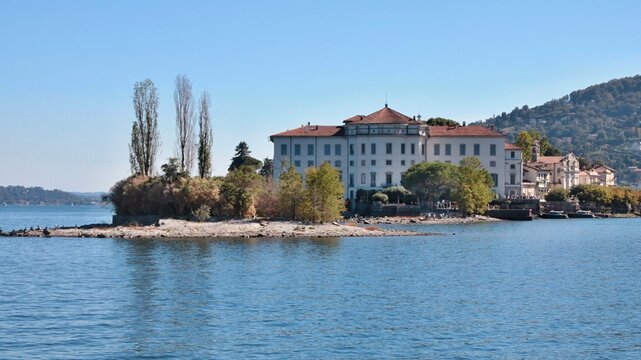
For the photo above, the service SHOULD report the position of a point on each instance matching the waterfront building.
(513, 170)
(374, 151)
(544, 173)
(600, 175)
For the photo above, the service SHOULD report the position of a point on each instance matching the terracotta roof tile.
(472, 130)
(313, 130)
(354, 118)
(549, 159)
(385, 115)
(509, 146)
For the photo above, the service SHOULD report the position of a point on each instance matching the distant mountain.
(20, 195)
(601, 122)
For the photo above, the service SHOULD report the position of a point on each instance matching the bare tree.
(145, 138)
(184, 122)
(205, 136)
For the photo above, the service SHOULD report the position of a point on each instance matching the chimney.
(418, 117)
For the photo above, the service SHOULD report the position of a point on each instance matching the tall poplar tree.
(205, 136)
(184, 123)
(145, 138)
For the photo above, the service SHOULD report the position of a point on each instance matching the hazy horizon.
(68, 70)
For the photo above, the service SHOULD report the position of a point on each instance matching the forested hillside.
(601, 122)
(20, 195)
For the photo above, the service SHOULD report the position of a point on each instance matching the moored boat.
(582, 214)
(554, 214)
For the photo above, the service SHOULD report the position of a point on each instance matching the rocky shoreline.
(177, 229)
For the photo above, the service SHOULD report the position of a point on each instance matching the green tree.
(396, 194)
(290, 193)
(171, 171)
(242, 158)
(431, 180)
(596, 194)
(524, 141)
(379, 196)
(267, 171)
(473, 189)
(205, 137)
(323, 194)
(439, 121)
(145, 138)
(239, 190)
(557, 194)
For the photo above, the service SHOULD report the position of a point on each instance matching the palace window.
(402, 148)
(448, 149)
(362, 149)
(492, 149)
(462, 149)
(437, 149)
(337, 149)
(283, 149)
(412, 149)
(373, 148)
(372, 179)
(310, 149)
(388, 148)
(477, 149)
(328, 149)
(495, 179)
(296, 149)
(388, 162)
(363, 178)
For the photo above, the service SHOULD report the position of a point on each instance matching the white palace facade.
(373, 151)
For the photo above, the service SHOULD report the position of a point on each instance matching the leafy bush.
(380, 197)
(558, 194)
(396, 194)
(142, 195)
(202, 213)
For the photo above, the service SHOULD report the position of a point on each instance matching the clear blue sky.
(67, 69)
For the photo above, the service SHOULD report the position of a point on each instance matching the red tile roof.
(385, 115)
(509, 146)
(549, 159)
(472, 130)
(313, 130)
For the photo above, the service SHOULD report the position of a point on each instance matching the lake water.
(541, 289)
(15, 217)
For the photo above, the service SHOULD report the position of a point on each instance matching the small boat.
(582, 214)
(554, 214)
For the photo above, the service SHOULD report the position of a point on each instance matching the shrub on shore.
(143, 195)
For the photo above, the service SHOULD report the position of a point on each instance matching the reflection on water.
(515, 290)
